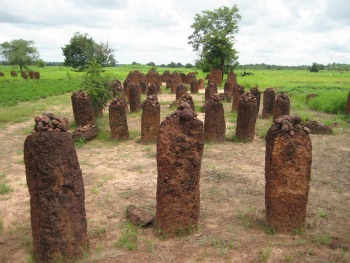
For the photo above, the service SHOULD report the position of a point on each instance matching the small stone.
(139, 217)
(306, 130)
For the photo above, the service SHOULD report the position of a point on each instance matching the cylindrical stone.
(214, 120)
(187, 98)
(200, 84)
(287, 172)
(179, 153)
(210, 90)
(150, 119)
(57, 197)
(257, 94)
(152, 89)
(134, 97)
(268, 102)
(194, 86)
(347, 109)
(281, 106)
(144, 86)
(228, 88)
(180, 90)
(246, 118)
(83, 109)
(238, 92)
(117, 120)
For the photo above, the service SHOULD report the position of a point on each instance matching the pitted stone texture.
(214, 120)
(194, 87)
(216, 74)
(347, 109)
(281, 106)
(287, 172)
(152, 89)
(83, 110)
(165, 76)
(200, 84)
(231, 77)
(134, 97)
(49, 122)
(188, 99)
(138, 217)
(246, 117)
(150, 119)
(257, 94)
(228, 88)
(117, 120)
(180, 90)
(210, 90)
(268, 102)
(191, 76)
(144, 86)
(179, 153)
(317, 128)
(88, 132)
(238, 92)
(57, 197)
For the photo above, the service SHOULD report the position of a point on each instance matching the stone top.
(81, 95)
(186, 98)
(289, 125)
(214, 98)
(183, 112)
(50, 123)
(248, 97)
(282, 97)
(255, 90)
(117, 101)
(151, 100)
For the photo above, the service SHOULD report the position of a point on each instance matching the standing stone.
(210, 90)
(268, 102)
(144, 86)
(188, 99)
(246, 117)
(179, 154)
(281, 106)
(237, 94)
(229, 87)
(347, 109)
(152, 89)
(200, 84)
(180, 90)
(216, 74)
(83, 110)
(150, 119)
(31, 74)
(214, 120)
(287, 172)
(134, 97)
(232, 77)
(194, 86)
(56, 188)
(37, 75)
(24, 75)
(257, 94)
(117, 119)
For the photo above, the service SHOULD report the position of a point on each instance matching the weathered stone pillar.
(117, 120)
(134, 97)
(187, 98)
(56, 188)
(228, 88)
(152, 89)
(144, 86)
(150, 119)
(287, 173)
(200, 84)
(246, 117)
(210, 90)
(194, 86)
(257, 94)
(237, 94)
(214, 120)
(231, 77)
(268, 102)
(180, 90)
(179, 153)
(347, 109)
(83, 110)
(281, 106)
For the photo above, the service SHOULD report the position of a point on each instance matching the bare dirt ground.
(232, 220)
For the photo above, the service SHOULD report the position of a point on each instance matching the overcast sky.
(282, 32)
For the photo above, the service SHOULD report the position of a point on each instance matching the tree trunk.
(20, 67)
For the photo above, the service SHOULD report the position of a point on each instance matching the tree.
(315, 67)
(213, 37)
(152, 64)
(19, 52)
(83, 49)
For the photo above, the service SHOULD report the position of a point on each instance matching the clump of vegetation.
(128, 238)
(331, 101)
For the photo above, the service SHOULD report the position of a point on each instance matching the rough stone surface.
(83, 110)
(51, 123)
(281, 106)
(191, 76)
(88, 132)
(268, 102)
(225, 97)
(214, 120)
(139, 217)
(210, 90)
(24, 75)
(317, 128)
(150, 119)
(134, 97)
(152, 89)
(228, 88)
(165, 76)
(347, 109)
(117, 120)
(246, 117)
(216, 74)
(31, 74)
(13, 74)
(179, 153)
(200, 84)
(144, 85)
(287, 172)
(237, 94)
(194, 86)
(188, 99)
(180, 90)
(57, 197)
(232, 77)
(257, 94)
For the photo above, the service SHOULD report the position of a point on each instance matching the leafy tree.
(213, 37)
(189, 65)
(152, 64)
(171, 65)
(19, 52)
(98, 87)
(315, 67)
(82, 49)
(179, 65)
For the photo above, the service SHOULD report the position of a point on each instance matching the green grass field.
(331, 86)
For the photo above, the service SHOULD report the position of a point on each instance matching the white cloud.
(285, 32)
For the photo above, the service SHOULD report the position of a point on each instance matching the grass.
(265, 254)
(4, 188)
(128, 238)
(322, 240)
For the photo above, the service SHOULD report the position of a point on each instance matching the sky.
(279, 32)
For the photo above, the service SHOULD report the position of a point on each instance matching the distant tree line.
(315, 67)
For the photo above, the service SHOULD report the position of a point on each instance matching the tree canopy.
(83, 49)
(19, 52)
(213, 37)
